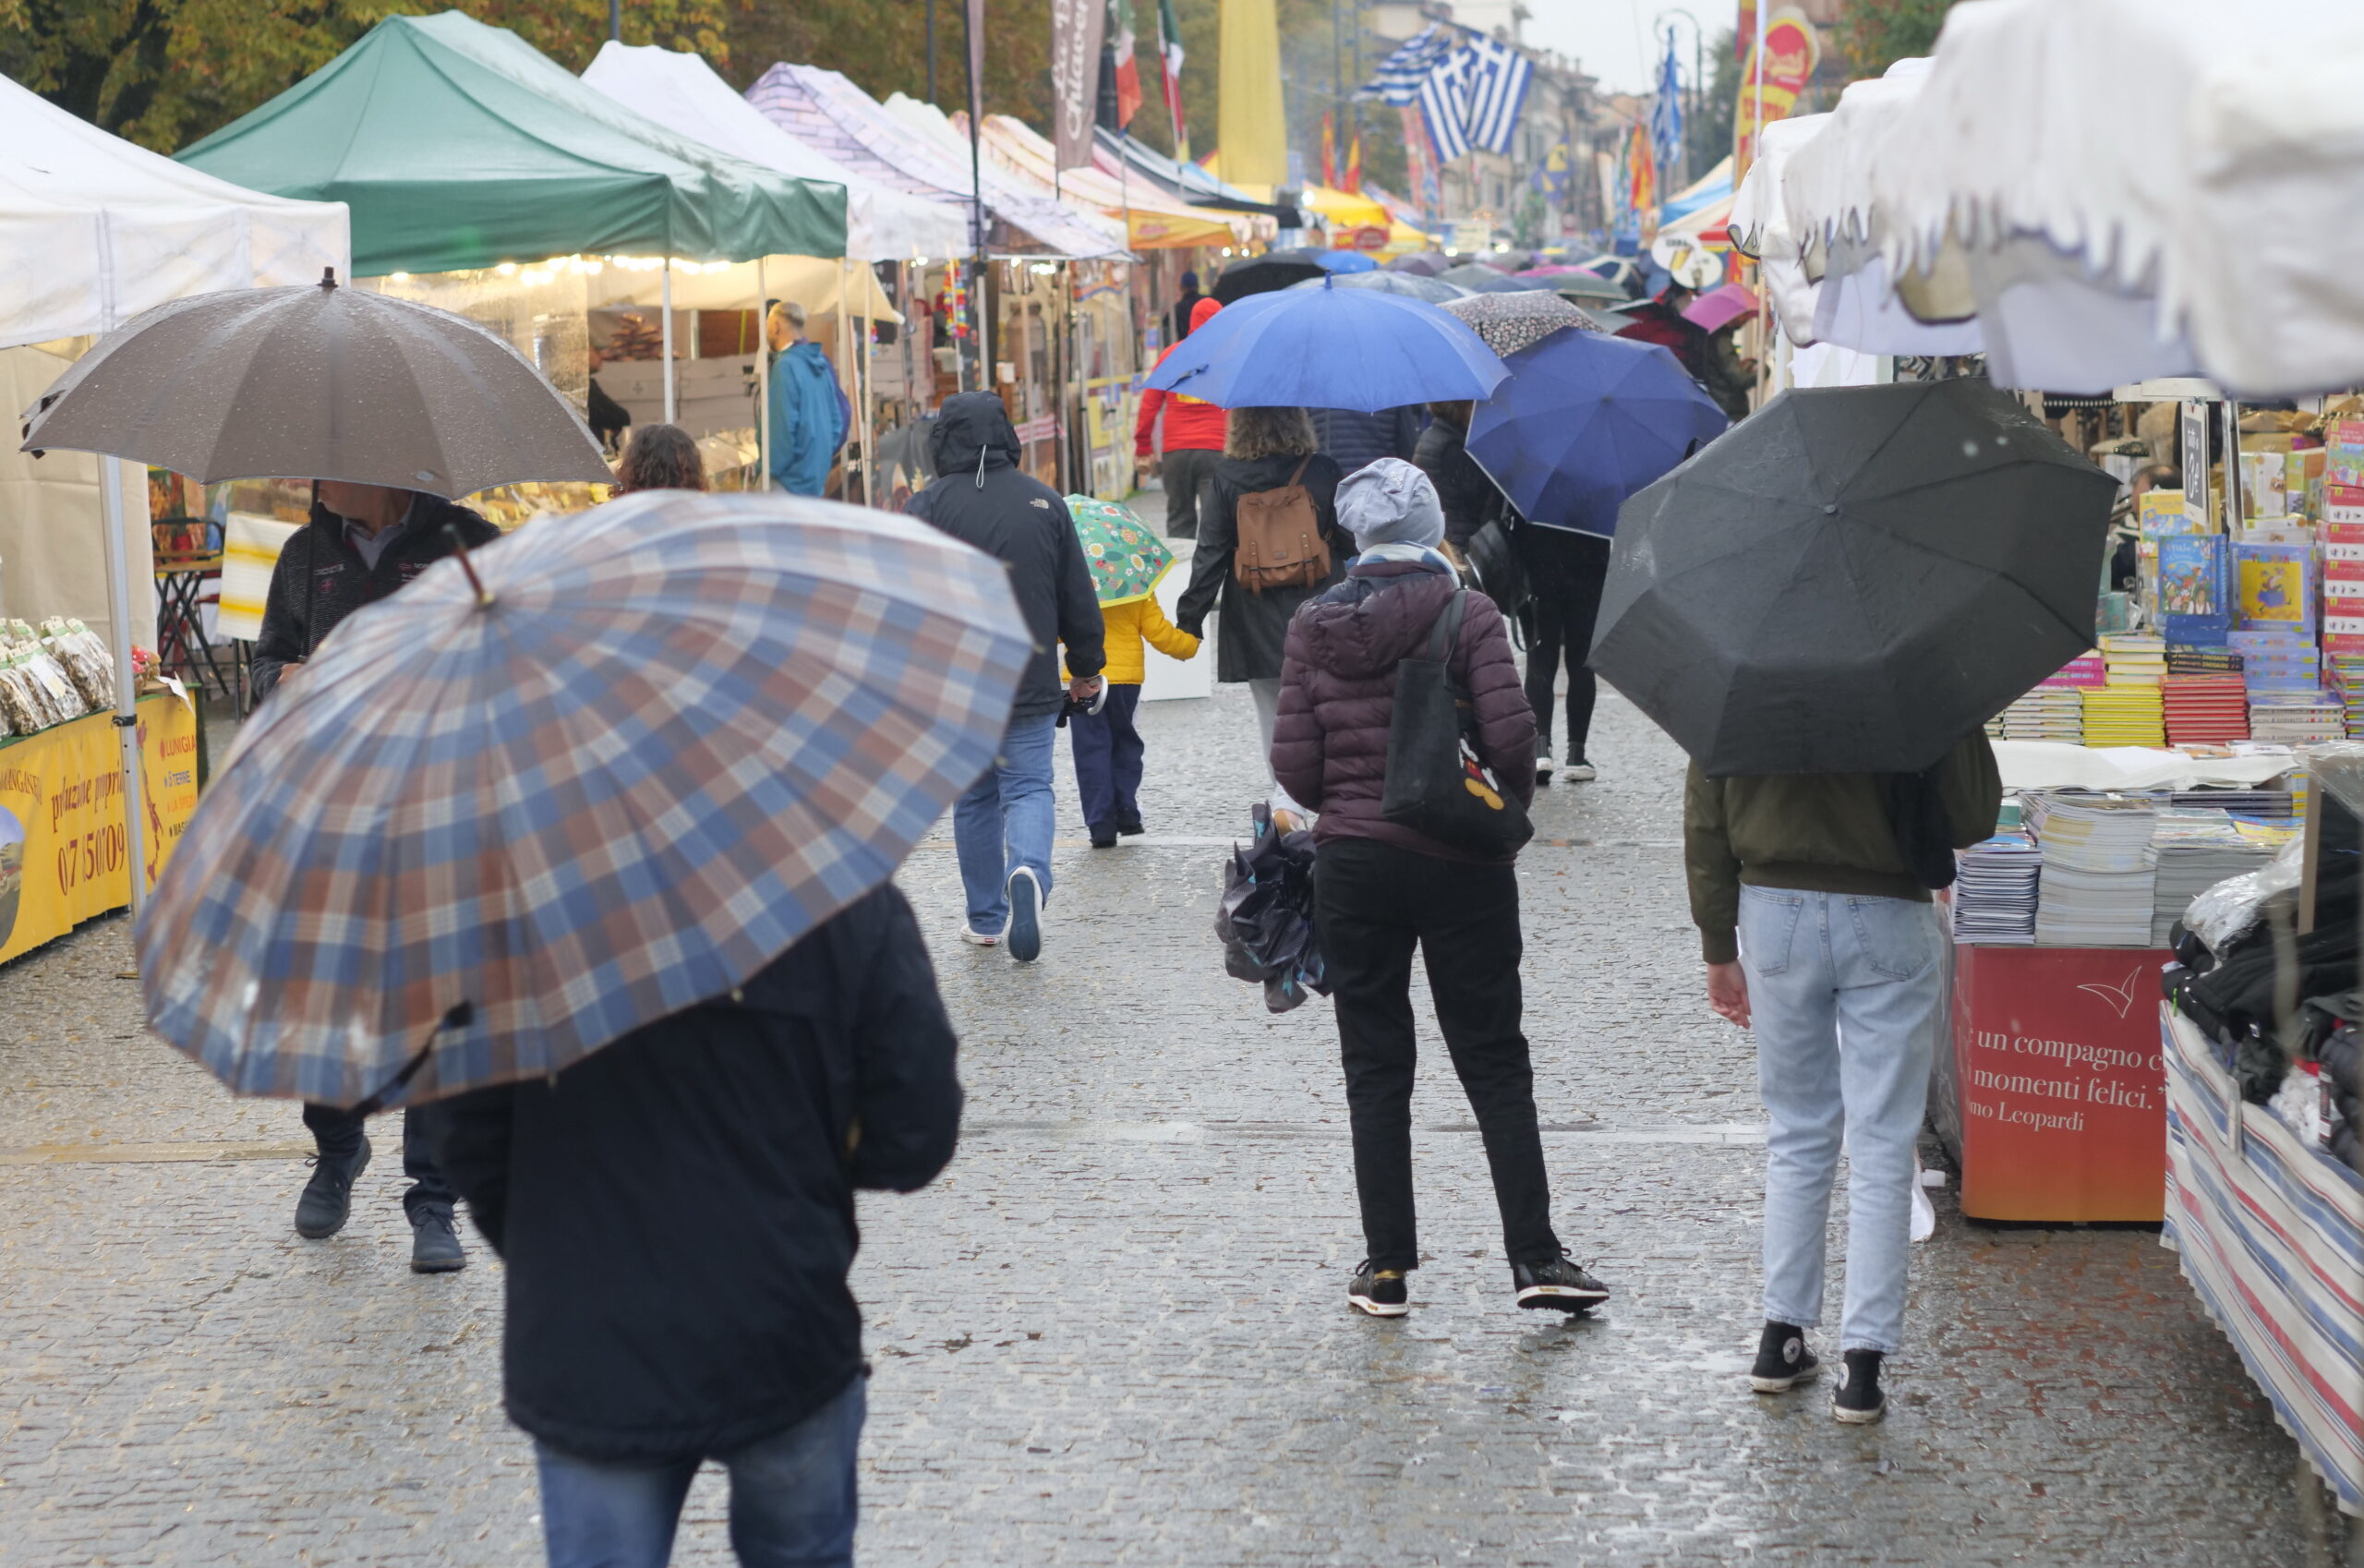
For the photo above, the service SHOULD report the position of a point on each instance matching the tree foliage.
(1874, 35)
(1708, 137)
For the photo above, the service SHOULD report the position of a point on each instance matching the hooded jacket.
(807, 426)
(1192, 423)
(1252, 625)
(981, 498)
(1338, 695)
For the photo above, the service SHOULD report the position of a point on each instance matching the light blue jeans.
(1006, 821)
(1845, 994)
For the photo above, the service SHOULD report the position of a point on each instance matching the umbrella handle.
(483, 595)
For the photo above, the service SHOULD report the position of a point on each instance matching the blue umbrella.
(1347, 262)
(1585, 420)
(1356, 348)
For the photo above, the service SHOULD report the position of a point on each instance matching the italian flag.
(1169, 50)
(1128, 70)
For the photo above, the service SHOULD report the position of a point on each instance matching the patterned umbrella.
(1125, 555)
(484, 833)
(1512, 322)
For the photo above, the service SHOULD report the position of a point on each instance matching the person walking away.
(1565, 572)
(1002, 828)
(362, 544)
(1178, 321)
(1353, 439)
(807, 416)
(1272, 475)
(660, 457)
(1469, 499)
(1381, 890)
(677, 1215)
(1107, 745)
(1811, 893)
(608, 419)
(1193, 443)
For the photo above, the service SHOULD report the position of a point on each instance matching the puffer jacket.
(1338, 694)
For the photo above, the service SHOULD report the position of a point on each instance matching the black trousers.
(337, 1133)
(1372, 904)
(1567, 603)
(1188, 475)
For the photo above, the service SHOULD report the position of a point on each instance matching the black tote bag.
(1435, 783)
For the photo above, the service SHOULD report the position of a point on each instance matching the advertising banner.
(1769, 88)
(62, 839)
(1077, 30)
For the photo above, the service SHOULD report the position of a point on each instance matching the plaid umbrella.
(1512, 322)
(479, 835)
(1126, 556)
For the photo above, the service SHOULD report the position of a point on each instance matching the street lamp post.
(616, 20)
(1698, 81)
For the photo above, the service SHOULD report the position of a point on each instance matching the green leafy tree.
(881, 46)
(1874, 35)
(1708, 138)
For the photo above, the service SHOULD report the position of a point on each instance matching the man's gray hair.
(794, 312)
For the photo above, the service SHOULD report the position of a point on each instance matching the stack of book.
(2277, 661)
(2192, 851)
(2124, 716)
(2296, 718)
(2270, 805)
(2048, 713)
(2194, 658)
(2087, 669)
(2347, 685)
(2206, 711)
(1995, 891)
(2097, 886)
(2134, 659)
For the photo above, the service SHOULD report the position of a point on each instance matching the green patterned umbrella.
(1125, 553)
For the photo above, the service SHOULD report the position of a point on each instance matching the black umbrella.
(1264, 274)
(1853, 579)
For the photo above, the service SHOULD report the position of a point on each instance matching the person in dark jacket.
(1003, 827)
(1467, 496)
(1815, 932)
(1353, 439)
(1565, 572)
(1382, 888)
(1178, 320)
(677, 1215)
(1264, 448)
(363, 543)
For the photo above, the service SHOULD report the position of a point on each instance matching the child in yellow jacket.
(1107, 747)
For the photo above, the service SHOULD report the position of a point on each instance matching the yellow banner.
(62, 843)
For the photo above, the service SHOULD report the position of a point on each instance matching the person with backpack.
(1268, 542)
(1383, 887)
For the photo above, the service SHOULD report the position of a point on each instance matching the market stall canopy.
(94, 230)
(458, 145)
(1152, 219)
(1344, 207)
(825, 109)
(1196, 186)
(681, 93)
(820, 286)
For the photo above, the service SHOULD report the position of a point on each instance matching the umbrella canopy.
(1332, 347)
(1411, 285)
(670, 737)
(1345, 263)
(1583, 422)
(318, 383)
(1126, 556)
(1470, 275)
(1421, 263)
(1575, 284)
(1264, 274)
(1855, 578)
(1720, 307)
(1512, 322)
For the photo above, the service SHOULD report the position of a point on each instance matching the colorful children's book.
(2192, 576)
(2276, 586)
(2161, 513)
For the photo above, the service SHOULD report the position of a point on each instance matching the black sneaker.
(1557, 1282)
(1858, 1400)
(1379, 1292)
(435, 1243)
(1130, 827)
(328, 1197)
(1782, 1360)
(1104, 841)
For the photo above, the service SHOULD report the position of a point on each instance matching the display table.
(2270, 1235)
(2052, 1097)
(62, 839)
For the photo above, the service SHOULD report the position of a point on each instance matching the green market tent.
(459, 145)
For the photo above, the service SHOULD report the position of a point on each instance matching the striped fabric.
(1400, 75)
(1495, 81)
(1470, 87)
(250, 546)
(1445, 105)
(686, 729)
(2270, 1235)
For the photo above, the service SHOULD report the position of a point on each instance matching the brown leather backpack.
(1280, 538)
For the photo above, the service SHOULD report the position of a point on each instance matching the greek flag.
(1445, 105)
(1401, 74)
(1494, 79)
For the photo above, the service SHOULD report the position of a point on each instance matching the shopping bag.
(1435, 782)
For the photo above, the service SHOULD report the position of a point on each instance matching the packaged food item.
(85, 658)
(21, 707)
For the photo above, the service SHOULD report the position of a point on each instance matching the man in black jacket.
(1002, 828)
(363, 543)
(677, 1215)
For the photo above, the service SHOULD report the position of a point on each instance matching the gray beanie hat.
(1390, 502)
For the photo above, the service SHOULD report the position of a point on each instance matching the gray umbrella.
(1512, 322)
(317, 382)
(1411, 285)
(1473, 274)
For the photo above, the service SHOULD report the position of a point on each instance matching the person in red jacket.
(1382, 888)
(1194, 429)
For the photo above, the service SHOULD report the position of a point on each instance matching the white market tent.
(93, 231)
(681, 93)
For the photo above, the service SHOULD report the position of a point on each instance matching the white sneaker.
(979, 938)
(1578, 773)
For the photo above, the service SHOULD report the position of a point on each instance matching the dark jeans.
(1372, 902)
(1564, 612)
(1109, 761)
(1188, 475)
(337, 1133)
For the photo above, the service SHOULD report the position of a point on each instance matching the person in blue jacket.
(808, 418)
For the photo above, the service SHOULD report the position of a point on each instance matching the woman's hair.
(1269, 432)
(661, 457)
(1454, 414)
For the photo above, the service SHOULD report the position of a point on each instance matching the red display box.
(2056, 1099)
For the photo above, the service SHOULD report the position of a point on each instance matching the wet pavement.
(1114, 1332)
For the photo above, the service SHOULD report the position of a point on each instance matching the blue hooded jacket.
(808, 422)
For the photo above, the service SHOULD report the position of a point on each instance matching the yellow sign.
(63, 858)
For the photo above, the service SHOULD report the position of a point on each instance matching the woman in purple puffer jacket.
(1382, 888)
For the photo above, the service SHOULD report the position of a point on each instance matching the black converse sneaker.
(1858, 1400)
(1379, 1292)
(1557, 1282)
(1782, 1360)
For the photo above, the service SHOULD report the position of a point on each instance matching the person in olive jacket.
(1811, 893)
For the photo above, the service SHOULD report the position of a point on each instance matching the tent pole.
(665, 308)
(845, 368)
(868, 405)
(763, 383)
(126, 685)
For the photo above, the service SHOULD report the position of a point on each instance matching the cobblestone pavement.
(1114, 1333)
